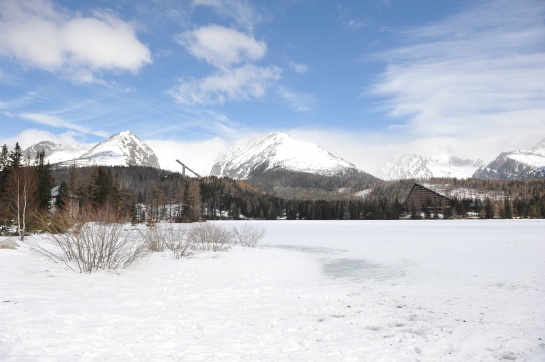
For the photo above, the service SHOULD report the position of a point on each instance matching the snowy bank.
(401, 290)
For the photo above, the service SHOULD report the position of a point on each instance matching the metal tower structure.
(184, 167)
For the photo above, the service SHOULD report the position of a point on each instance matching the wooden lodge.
(424, 199)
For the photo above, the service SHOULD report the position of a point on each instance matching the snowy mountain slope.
(122, 149)
(521, 164)
(419, 167)
(278, 151)
(55, 153)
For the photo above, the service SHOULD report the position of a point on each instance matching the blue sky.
(364, 79)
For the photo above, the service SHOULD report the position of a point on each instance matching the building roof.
(420, 195)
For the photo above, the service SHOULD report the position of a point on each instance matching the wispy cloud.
(241, 11)
(477, 72)
(39, 35)
(57, 122)
(241, 83)
(299, 68)
(32, 136)
(297, 100)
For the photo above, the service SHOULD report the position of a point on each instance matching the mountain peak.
(124, 134)
(249, 157)
(123, 149)
(521, 164)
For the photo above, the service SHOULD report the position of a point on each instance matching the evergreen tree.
(489, 209)
(45, 182)
(508, 210)
(16, 157)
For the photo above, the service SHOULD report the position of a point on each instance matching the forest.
(144, 194)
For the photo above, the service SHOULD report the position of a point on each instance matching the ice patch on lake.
(359, 269)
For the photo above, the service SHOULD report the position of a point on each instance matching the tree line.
(145, 194)
(25, 189)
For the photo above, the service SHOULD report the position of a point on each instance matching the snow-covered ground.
(321, 291)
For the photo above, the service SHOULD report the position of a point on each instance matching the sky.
(364, 79)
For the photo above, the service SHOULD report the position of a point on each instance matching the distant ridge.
(515, 165)
(121, 149)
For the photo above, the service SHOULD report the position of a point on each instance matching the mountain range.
(521, 164)
(420, 167)
(279, 160)
(121, 149)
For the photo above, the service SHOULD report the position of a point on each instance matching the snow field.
(322, 291)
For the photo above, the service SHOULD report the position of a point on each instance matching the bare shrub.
(154, 236)
(249, 235)
(163, 237)
(209, 237)
(102, 244)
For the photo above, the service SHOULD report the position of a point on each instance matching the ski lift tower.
(184, 167)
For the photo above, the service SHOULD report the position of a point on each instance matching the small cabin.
(424, 199)
(71, 202)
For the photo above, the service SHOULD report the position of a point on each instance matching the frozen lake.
(315, 290)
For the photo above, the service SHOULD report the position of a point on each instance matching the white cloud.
(232, 54)
(197, 155)
(39, 35)
(242, 83)
(241, 11)
(299, 67)
(32, 136)
(473, 75)
(222, 47)
(297, 100)
(54, 121)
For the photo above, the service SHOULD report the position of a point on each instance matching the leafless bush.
(154, 236)
(103, 244)
(163, 237)
(248, 235)
(209, 237)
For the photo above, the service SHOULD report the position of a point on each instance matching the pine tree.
(489, 209)
(508, 210)
(45, 182)
(16, 157)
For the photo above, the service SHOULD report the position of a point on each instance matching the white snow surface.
(315, 291)
(409, 166)
(277, 150)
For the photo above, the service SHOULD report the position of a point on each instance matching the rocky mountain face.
(515, 165)
(250, 158)
(419, 167)
(122, 149)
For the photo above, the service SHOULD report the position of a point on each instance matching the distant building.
(71, 202)
(424, 199)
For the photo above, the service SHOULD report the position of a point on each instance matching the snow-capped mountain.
(521, 164)
(278, 151)
(55, 153)
(122, 149)
(419, 167)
